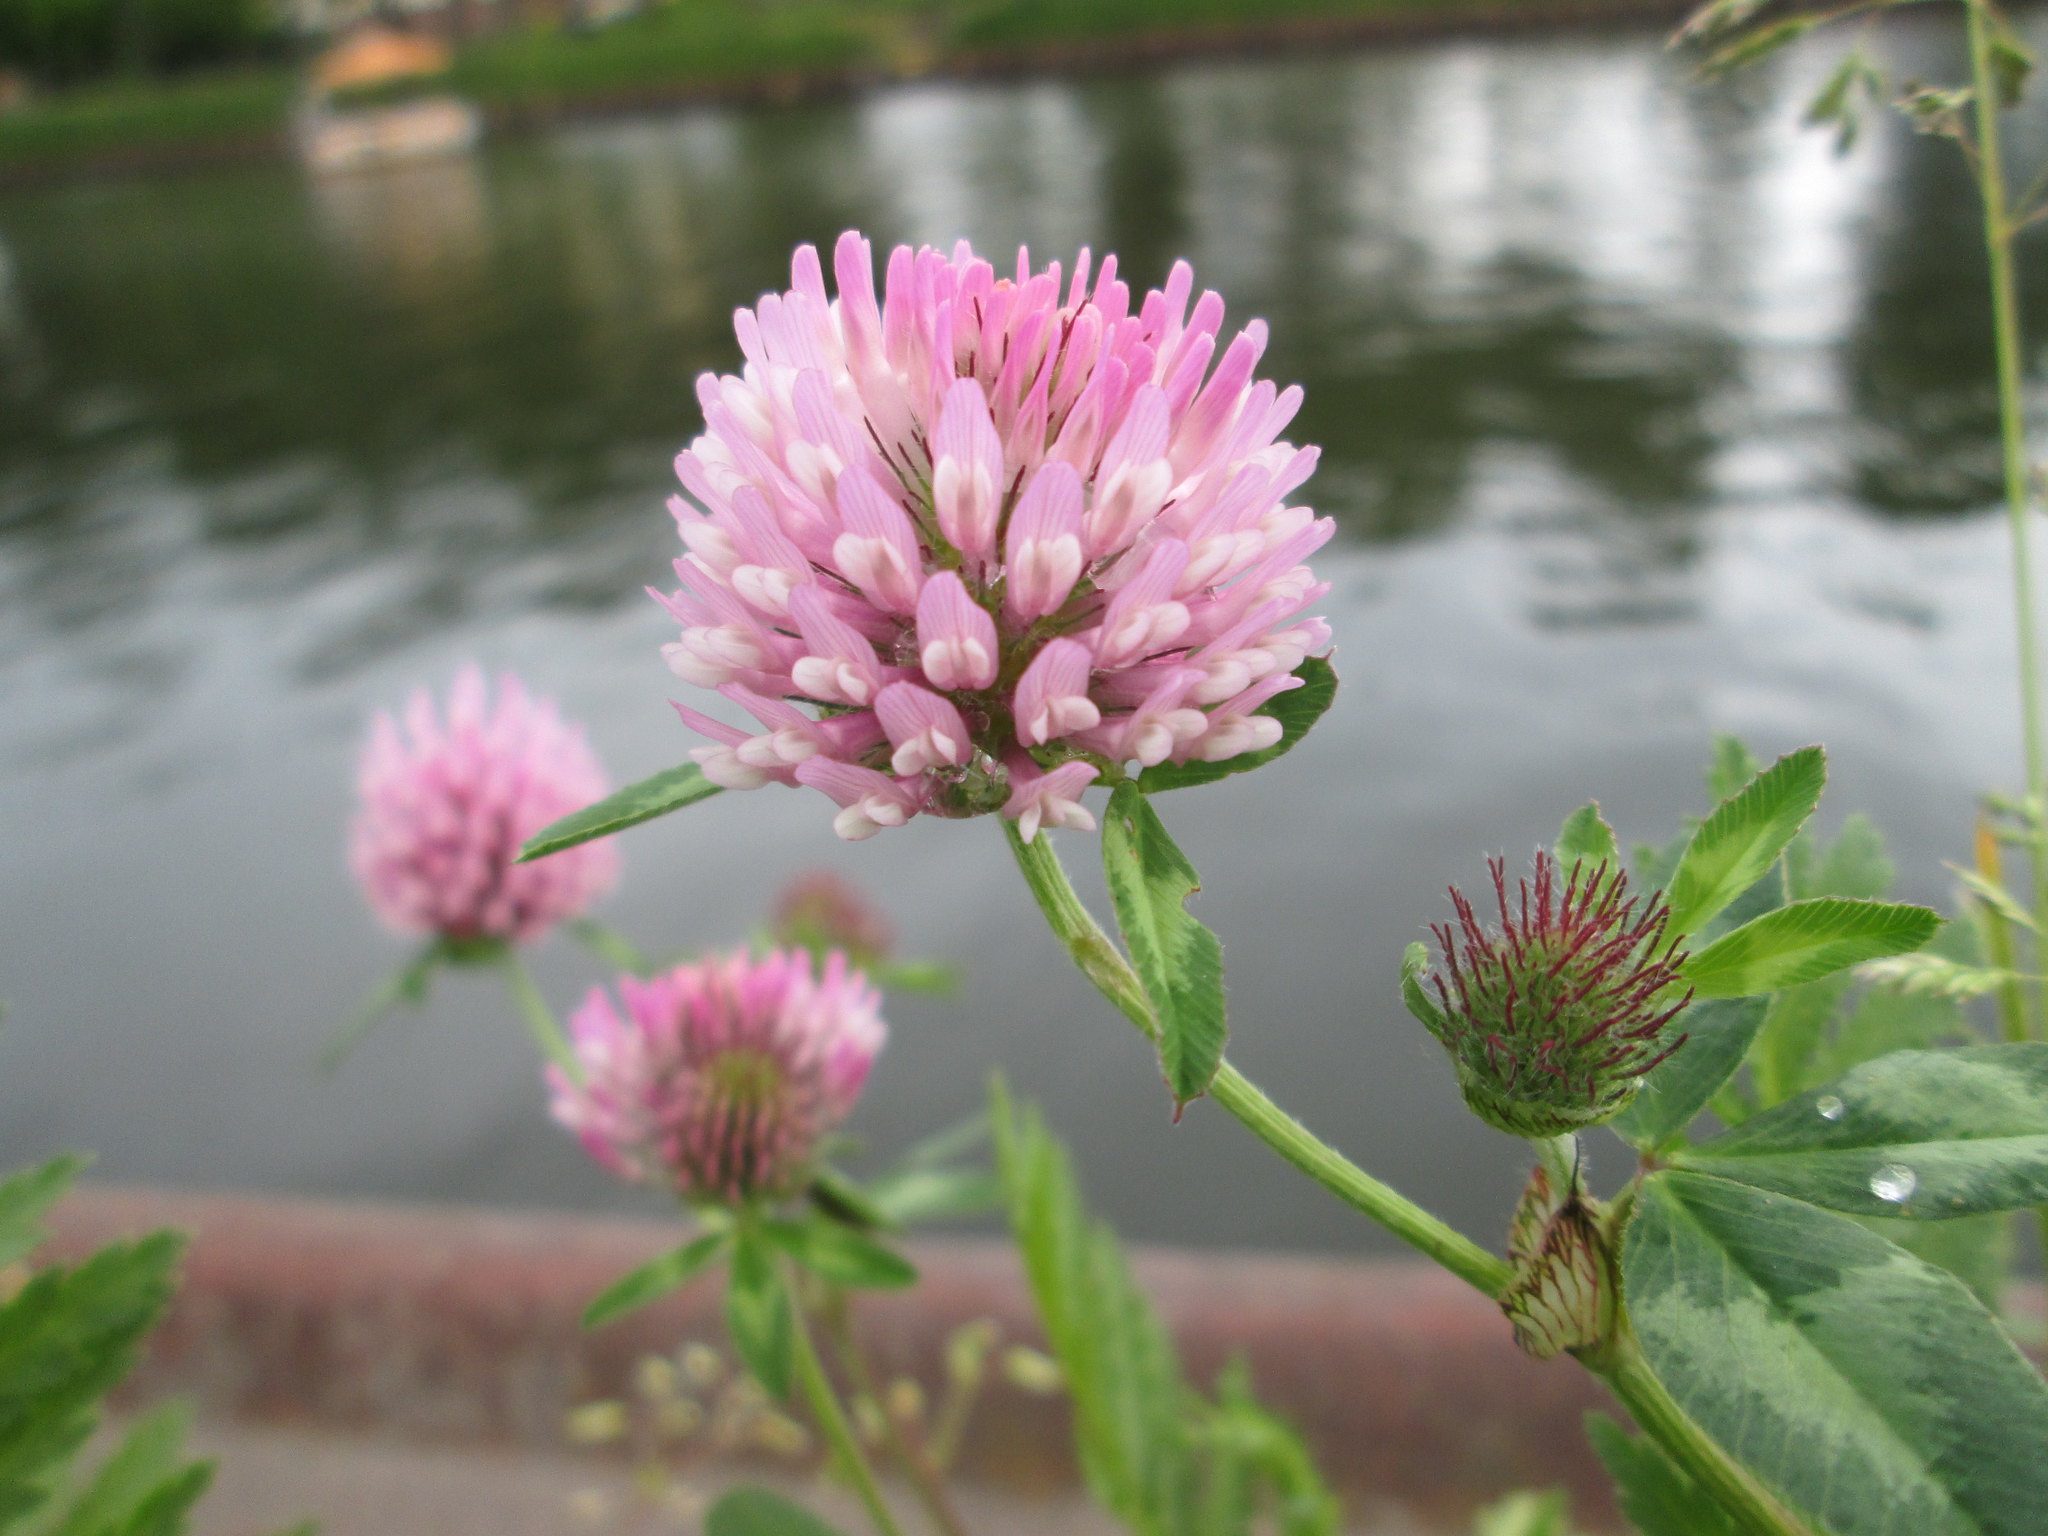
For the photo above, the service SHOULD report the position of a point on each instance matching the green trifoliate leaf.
(1804, 942)
(1655, 1494)
(757, 1512)
(26, 1198)
(757, 1309)
(841, 1255)
(1179, 961)
(655, 1279)
(669, 790)
(1737, 845)
(1918, 1134)
(1297, 710)
(1718, 1035)
(1860, 1384)
(1586, 839)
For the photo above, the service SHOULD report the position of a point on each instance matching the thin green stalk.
(540, 1018)
(1658, 1414)
(925, 1479)
(1100, 962)
(1989, 163)
(833, 1424)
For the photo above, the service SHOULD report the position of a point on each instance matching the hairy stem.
(833, 1424)
(1101, 963)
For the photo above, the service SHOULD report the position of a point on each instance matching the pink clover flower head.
(446, 801)
(720, 1079)
(966, 544)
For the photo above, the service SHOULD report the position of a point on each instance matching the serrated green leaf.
(1179, 961)
(758, 1311)
(655, 1279)
(1121, 1370)
(26, 1198)
(1737, 845)
(669, 790)
(757, 1512)
(66, 1340)
(1585, 837)
(1718, 1035)
(1795, 1028)
(1655, 1494)
(162, 1511)
(1804, 942)
(841, 1255)
(1862, 1385)
(1977, 1250)
(1924, 1135)
(148, 1456)
(1297, 710)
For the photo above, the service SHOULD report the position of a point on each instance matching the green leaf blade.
(757, 1512)
(1804, 942)
(654, 1280)
(1586, 838)
(1737, 845)
(1924, 1135)
(1718, 1035)
(26, 1198)
(1179, 960)
(1297, 710)
(669, 790)
(1863, 1385)
(758, 1311)
(842, 1255)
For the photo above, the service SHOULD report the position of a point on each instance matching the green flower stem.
(1989, 164)
(1100, 962)
(832, 1423)
(540, 1018)
(926, 1480)
(1658, 1415)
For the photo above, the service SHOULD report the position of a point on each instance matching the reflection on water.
(1644, 415)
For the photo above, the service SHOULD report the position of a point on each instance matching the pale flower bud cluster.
(962, 546)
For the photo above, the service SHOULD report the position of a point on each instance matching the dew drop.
(1894, 1182)
(1830, 1107)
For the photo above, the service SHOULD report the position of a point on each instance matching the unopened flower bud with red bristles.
(720, 1079)
(1553, 1017)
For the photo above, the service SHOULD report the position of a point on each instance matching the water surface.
(1644, 417)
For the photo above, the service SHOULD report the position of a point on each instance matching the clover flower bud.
(720, 1079)
(447, 800)
(1563, 1293)
(961, 546)
(1553, 1017)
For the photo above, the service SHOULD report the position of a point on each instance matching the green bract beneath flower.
(1553, 1017)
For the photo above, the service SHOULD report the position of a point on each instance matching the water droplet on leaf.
(1830, 1107)
(1894, 1182)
